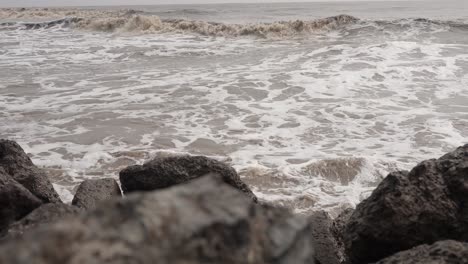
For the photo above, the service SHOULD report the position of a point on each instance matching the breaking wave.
(131, 21)
(65, 22)
(153, 24)
(319, 184)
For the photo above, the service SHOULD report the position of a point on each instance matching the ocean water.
(312, 107)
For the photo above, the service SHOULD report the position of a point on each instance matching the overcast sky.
(27, 3)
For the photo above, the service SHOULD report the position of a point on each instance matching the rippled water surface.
(312, 113)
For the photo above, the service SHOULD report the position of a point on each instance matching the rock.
(327, 249)
(163, 172)
(204, 221)
(442, 252)
(46, 213)
(408, 209)
(19, 166)
(15, 201)
(91, 192)
(338, 228)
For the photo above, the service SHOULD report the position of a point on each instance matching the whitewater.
(312, 103)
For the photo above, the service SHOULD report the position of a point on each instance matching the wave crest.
(134, 23)
(137, 22)
(144, 23)
(130, 21)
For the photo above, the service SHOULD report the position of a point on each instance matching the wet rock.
(327, 248)
(163, 172)
(15, 201)
(338, 228)
(407, 209)
(91, 192)
(442, 252)
(204, 221)
(19, 166)
(45, 214)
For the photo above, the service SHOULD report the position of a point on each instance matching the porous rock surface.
(45, 214)
(407, 209)
(16, 163)
(442, 252)
(163, 172)
(91, 192)
(15, 201)
(204, 221)
(328, 249)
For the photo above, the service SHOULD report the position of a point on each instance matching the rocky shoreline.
(192, 209)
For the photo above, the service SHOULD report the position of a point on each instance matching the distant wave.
(48, 24)
(153, 24)
(189, 11)
(131, 21)
(460, 24)
(135, 21)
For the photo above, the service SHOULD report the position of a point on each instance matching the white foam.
(87, 104)
(65, 194)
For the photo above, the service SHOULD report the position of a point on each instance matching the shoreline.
(165, 189)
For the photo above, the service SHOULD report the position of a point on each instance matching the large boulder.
(15, 201)
(407, 209)
(204, 221)
(442, 252)
(163, 172)
(91, 192)
(328, 250)
(45, 214)
(19, 166)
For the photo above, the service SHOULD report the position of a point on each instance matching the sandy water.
(312, 113)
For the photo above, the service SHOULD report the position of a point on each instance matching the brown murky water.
(312, 120)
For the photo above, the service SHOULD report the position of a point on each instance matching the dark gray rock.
(19, 166)
(442, 252)
(91, 192)
(408, 209)
(169, 171)
(204, 221)
(45, 214)
(327, 249)
(338, 228)
(15, 201)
